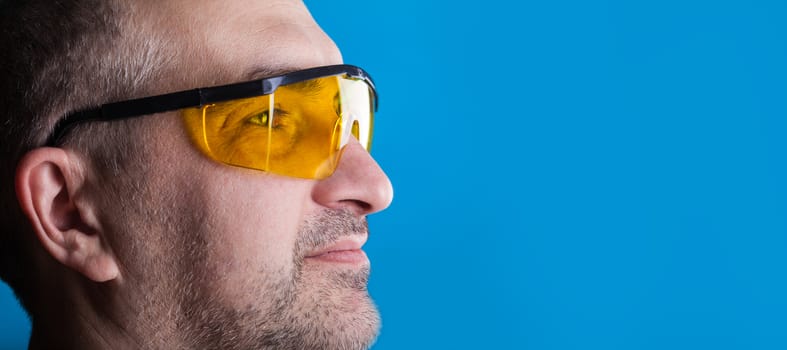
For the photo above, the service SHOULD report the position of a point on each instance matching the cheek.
(250, 224)
(245, 222)
(257, 229)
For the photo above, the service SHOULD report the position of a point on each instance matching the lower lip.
(342, 256)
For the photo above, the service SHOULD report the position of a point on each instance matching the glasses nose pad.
(337, 136)
(341, 136)
(337, 142)
(349, 126)
(356, 130)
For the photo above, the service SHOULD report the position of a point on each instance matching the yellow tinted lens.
(298, 130)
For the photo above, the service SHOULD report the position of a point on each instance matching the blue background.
(572, 174)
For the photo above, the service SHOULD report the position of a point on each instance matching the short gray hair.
(59, 56)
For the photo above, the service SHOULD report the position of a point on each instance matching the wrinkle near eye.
(226, 113)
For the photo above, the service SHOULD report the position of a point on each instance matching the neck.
(74, 333)
(77, 318)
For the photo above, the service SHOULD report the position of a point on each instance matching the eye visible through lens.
(281, 120)
(260, 119)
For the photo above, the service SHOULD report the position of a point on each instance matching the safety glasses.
(295, 124)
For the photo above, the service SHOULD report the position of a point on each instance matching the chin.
(337, 311)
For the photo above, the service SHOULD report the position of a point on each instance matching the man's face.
(236, 258)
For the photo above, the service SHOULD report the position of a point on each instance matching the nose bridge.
(357, 184)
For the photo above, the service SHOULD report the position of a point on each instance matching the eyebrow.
(265, 71)
(309, 87)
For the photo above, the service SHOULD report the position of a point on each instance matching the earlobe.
(48, 181)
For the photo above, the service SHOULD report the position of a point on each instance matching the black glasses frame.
(200, 97)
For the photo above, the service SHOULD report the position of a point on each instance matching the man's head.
(128, 225)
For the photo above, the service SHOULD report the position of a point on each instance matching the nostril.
(358, 206)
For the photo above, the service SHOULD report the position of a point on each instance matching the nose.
(358, 184)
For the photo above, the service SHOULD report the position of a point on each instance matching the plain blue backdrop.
(572, 174)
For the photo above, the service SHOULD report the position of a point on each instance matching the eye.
(260, 119)
(263, 119)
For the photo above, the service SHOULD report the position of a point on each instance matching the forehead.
(233, 40)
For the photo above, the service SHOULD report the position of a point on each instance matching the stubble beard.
(301, 307)
(304, 308)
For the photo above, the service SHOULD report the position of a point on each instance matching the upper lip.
(354, 242)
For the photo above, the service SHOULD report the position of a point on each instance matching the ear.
(49, 182)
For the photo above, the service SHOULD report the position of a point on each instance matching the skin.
(184, 252)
